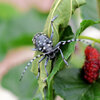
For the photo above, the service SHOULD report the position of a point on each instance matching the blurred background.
(20, 20)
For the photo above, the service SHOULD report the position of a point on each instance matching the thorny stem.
(98, 7)
(89, 38)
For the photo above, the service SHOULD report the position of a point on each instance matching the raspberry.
(91, 53)
(92, 64)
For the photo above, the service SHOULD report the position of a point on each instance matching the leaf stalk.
(89, 38)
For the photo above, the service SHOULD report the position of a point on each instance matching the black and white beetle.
(45, 45)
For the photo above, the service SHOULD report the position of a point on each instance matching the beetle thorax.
(43, 43)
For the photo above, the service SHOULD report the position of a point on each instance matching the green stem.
(89, 38)
(50, 90)
(98, 7)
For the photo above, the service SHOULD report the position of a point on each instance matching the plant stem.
(89, 38)
(98, 7)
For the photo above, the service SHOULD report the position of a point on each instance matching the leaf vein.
(53, 13)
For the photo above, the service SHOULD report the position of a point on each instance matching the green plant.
(66, 82)
(61, 28)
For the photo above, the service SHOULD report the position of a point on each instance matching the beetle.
(44, 44)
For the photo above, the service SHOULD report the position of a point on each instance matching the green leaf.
(90, 11)
(67, 33)
(70, 85)
(64, 9)
(26, 88)
(37, 96)
(85, 24)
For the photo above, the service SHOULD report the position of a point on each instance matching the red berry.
(99, 63)
(92, 64)
(91, 71)
(99, 60)
(91, 53)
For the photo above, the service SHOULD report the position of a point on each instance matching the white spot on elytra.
(44, 43)
(40, 48)
(48, 44)
(50, 41)
(44, 40)
(40, 43)
(44, 48)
